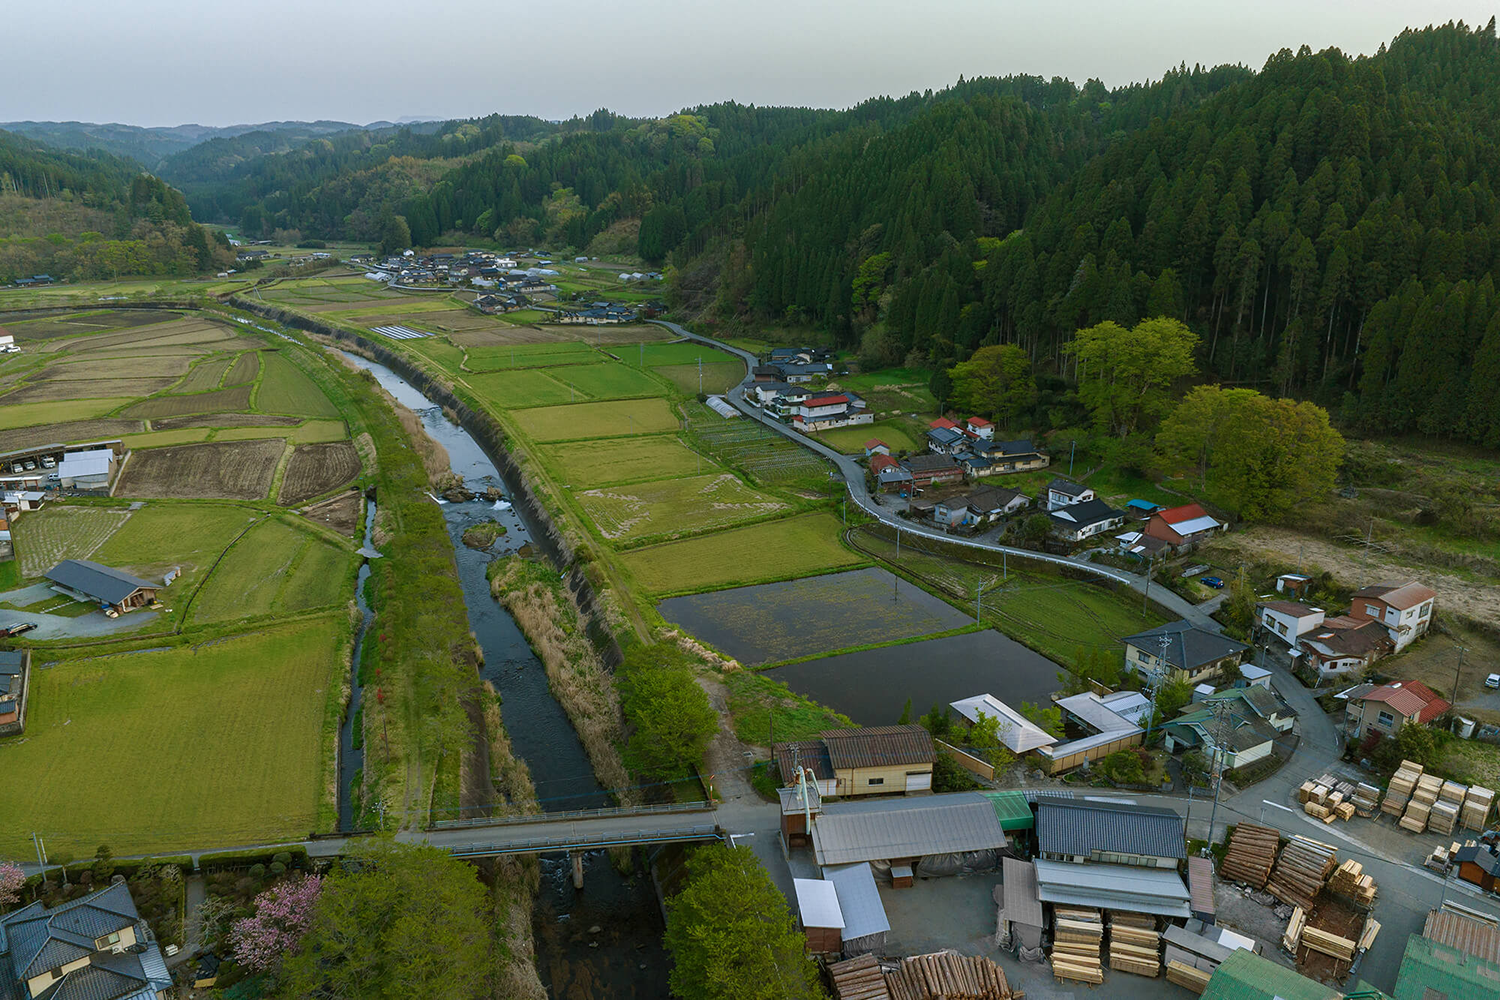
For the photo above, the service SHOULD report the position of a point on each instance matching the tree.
(395, 234)
(997, 381)
(282, 916)
(731, 934)
(394, 921)
(1125, 376)
(941, 387)
(1123, 767)
(11, 880)
(938, 721)
(1048, 719)
(1172, 696)
(905, 719)
(672, 719)
(1036, 528)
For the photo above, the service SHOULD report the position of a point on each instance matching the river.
(604, 942)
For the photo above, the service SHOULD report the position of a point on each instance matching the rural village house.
(873, 760)
(96, 947)
(1112, 722)
(1182, 527)
(1405, 609)
(875, 446)
(978, 509)
(1289, 621)
(1189, 653)
(1382, 711)
(1062, 492)
(89, 581)
(1078, 521)
(1344, 644)
(929, 470)
(1245, 738)
(15, 670)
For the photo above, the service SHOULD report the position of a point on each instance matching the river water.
(352, 758)
(602, 942)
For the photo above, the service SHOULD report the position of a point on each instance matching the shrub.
(277, 868)
(282, 858)
(1123, 767)
(257, 871)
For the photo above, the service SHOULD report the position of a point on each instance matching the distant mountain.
(150, 146)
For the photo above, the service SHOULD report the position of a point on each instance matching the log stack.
(947, 976)
(858, 979)
(1301, 871)
(1351, 882)
(1403, 782)
(1077, 937)
(1134, 944)
(1251, 853)
(1366, 799)
(1476, 808)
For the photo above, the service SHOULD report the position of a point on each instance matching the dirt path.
(1348, 564)
(725, 763)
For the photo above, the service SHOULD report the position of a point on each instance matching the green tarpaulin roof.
(1012, 809)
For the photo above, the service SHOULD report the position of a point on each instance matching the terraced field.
(594, 420)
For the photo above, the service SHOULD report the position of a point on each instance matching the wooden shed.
(819, 914)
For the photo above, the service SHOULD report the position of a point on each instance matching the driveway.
(95, 623)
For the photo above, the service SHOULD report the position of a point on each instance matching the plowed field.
(318, 468)
(235, 470)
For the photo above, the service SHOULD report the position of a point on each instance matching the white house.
(1405, 609)
(1018, 733)
(980, 428)
(1063, 493)
(1078, 521)
(1289, 620)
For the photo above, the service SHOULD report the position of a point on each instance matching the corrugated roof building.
(1246, 976)
(1113, 887)
(865, 921)
(901, 829)
(1113, 832)
(1430, 970)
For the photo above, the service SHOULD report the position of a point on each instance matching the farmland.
(490, 359)
(759, 553)
(593, 420)
(899, 434)
(227, 740)
(765, 455)
(274, 568)
(238, 470)
(206, 375)
(718, 376)
(285, 389)
(32, 414)
(46, 537)
(627, 460)
(316, 469)
(222, 400)
(246, 368)
(609, 381)
(522, 387)
(675, 506)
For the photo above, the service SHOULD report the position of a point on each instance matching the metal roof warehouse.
(886, 829)
(1080, 830)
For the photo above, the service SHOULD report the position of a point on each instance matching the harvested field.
(55, 412)
(520, 388)
(274, 568)
(773, 550)
(41, 392)
(227, 420)
(236, 398)
(285, 389)
(246, 367)
(60, 531)
(309, 432)
(317, 468)
(236, 470)
(596, 463)
(594, 420)
(206, 375)
(342, 513)
(494, 359)
(719, 377)
(636, 333)
(66, 432)
(609, 381)
(503, 336)
(117, 368)
(47, 327)
(674, 506)
(158, 439)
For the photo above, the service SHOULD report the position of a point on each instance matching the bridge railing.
(663, 808)
(535, 845)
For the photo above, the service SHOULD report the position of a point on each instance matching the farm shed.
(1201, 887)
(87, 470)
(89, 581)
(15, 667)
(721, 406)
(811, 756)
(1464, 930)
(865, 922)
(1074, 830)
(948, 833)
(873, 760)
(819, 914)
(1429, 969)
(1244, 975)
(796, 812)
(1113, 887)
(1019, 922)
(1018, 733)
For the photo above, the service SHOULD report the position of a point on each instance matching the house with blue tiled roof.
(96, 947)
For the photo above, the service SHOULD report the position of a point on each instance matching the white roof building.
(1018, 733)
(1114, 887)
(86, 464)
(818, 903)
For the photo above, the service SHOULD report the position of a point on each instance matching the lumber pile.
(1428, 787)
(1293, 936)
(858, 979)
(1367, 936)
(1251, 853)
(1453, 791)
(1400, 789)
(1351, 882)
(1325, 943)
(1134, 944)
(1417, 812)
(1188, 977)
(1476, 808)
(1366, 799)
(1077, 936)
(947, 976)
(1301, 870)
(1443, 817)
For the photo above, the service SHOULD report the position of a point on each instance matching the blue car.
(1212, 581)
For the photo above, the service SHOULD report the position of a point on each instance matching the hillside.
(150, 146)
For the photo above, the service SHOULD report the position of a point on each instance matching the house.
(872, 760)
(875, 446)
(1383, 710)
(1111, 722)
(1430, 970)
(907, 832)
(1190, 653)
(1017, 733)
(781, 398)
(15, 669)
(1253, 676)
(929, 470)
(1289, 620)
(1078, 521)
(1405, 609)
(87, 470)
(1260, 702)
(1139, 545)
(979, 509)
(824, 412)
(1182, 527)
(1000, 457)
(946, 440)
(96, 947)
(89, 581)
(979, 427)
(942, 422)
(765, 373)
(1240, 738)
(1294, 584)
(894, 479)
(1244, 975)
(1078, 831)
(1479, 864)
(1143, 508)
(1345, 645)
(1064, 492)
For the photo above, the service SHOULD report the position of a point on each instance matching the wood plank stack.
(1367, 936)
(1366, 799)
(1300, 872)
(1345, 811)
(1077, 937)
(1400, 789)
(1443, 818)
(1251, 853)
(1134, 944)
(948, 976)
(1476, 808)
(1317, 811)
(1351, 882)
(1293, 936)
(1332, 945)
(1428, 787)
(1453, 791)
(1417, 812)
(1188, 977)
(858, 978)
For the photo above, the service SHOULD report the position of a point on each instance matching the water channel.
(604, 941)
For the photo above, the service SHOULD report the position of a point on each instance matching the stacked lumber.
(1251, 853)
(1293, 936)
(1367, 936)
(1188, 977)
(1077, 936)
(1453, 791)
(1304, 793)
(1443, 818)
(858, 979)
(1351, 882)
(1476, 808)
(1401, 786)
(1300, 872)
(1317, 811)
(1345, 811)
(1415, 819)
(948, 976)
(1428, 787)
(1365, 799)
(1325, 943)
(1134, 944)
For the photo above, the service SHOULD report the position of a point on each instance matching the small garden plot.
(44, 538)
(520, 388)
(625, 460)
(232, 733)
(593, 420)
(67, 432)
(674, 506)
(760, 451)
(246, 367)
(235, 470)
(718, 378)
(40, 392)
(285, 389)
(274, 568)
(55, 412)
(206, 375)
(317, 468)
(341, 512)
(235, 398)
(774, 550)
(609, 381)
(493, 359)
(783, 621)
(851, 440)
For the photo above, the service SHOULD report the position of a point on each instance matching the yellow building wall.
(856, 781)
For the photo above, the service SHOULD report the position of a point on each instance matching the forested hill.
(150, 146)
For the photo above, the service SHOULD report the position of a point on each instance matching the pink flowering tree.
(11, 880)
(282, 915)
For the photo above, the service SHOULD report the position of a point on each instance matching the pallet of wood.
(858, 978)
(1415, 819)
(1316, 811)
(1476, 808)
(1304, 792)
(1428, 787)
(1453, 791)
(1293, 936)
(1345, 811)
(1399, 792)
(1350, 881)
(948, 976)
(1077, 939)
(1367, 936)
(1328, 944)
(1134, 944)
(1443, 817)
(1301, 870)
(1250, 855)
(1188, 977)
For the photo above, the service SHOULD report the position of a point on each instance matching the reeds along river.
(603, 942)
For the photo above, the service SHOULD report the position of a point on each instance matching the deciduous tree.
(996, 381)
(1125, 376)
(671, 717)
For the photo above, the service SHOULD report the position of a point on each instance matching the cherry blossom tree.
(11, 880)
(282, 915)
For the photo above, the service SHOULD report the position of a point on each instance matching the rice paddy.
(490, 359)
(285, 389)
(625, 460)
(758, 553)
(675, 506)
(609, 381)
(596, 420)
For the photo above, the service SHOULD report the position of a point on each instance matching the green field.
(899, 434)
(625, 460)
(594, 420)
(59, 531)
(219, 401)
(758, 553)
(274, 568)
(163, 535)
(675, 506)
(719, 377)
(523, 317)
(223, 744)
(55, 411)
(310, 432)
(494, 359)
(679, 353)
(522, 387)
(206, 375)
(285, 389)
(609, 381)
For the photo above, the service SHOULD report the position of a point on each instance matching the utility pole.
(1456, 670)
(1369, 536)
(1164, 640)
(979, 603)
(1071, 452)
(700, 374)
(1146, 594)
(1221, 715)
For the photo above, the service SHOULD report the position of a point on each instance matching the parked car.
(17, 629)
(1492, 681)
(1214, 582)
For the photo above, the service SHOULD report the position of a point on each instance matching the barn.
(89, 581)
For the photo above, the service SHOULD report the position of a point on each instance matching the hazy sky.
(222, 62)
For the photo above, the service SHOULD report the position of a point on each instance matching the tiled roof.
(1068, 487)
(878, 746)
(1345, 639)
(1080, 827)
(1398, 595)
(39, 939)
(1293, 608)
(1190, 647)
(1412, 699)
(979, 422)
(882, 462)
(811, 754)
(930, 463)
(942, 422)
(876, 443)
(827, 401)
(1083, 514)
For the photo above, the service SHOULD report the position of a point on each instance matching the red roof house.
(1384, 710)
(882, 461)
(942, 422)
(1182, 526)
